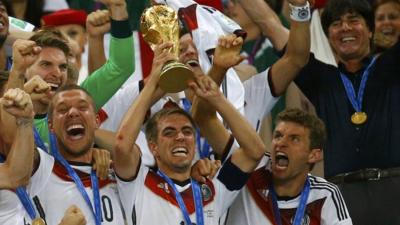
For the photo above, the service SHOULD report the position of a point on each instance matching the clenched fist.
(73, 216)
(19, 104)
(98, 23)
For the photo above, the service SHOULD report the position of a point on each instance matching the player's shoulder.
(320, 187)
(320, 183)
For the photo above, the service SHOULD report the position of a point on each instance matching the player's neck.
(290, 188)
(39, 107)
(354, 64)
(175, 175)
(84, 158)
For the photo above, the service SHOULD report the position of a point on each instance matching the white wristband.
(300, 13)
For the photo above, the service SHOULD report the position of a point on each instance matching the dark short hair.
(151, 129)
(308, 120)
(337, 8)
(68, 87)
(51, 37)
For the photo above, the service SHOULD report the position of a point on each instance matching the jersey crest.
(161, 188)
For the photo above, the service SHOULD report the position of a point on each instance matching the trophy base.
(174, 77)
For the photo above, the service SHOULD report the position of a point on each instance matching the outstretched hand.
(204, 87)
(227, 53)
(162, 55)
(205, 169)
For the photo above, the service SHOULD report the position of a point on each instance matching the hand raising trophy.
(159, 23)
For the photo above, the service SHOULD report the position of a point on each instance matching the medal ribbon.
(198, 202)
(356, 101)
(300, 209)
(38, 140)
(24, 198)
(71, 172)
(204, 149)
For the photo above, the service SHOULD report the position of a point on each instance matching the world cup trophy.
(159, 23)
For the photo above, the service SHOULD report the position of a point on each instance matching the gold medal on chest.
(38, 221)
(359, 118)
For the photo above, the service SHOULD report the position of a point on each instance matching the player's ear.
(315, 155)
(153, 148)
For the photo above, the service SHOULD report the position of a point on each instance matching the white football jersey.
(150, 200)
(60, 192)
(325, 204)
(258, 99)
(12, 211)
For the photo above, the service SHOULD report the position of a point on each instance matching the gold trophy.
(159, 23)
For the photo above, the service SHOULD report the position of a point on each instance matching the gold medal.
(38, 221)
(359, 118)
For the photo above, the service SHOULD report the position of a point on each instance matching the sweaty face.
(188, 53)
(387, 20)
(349, 37)
(75, 32)
(290, 151)
(175, 147)
(189, 56)
(73, 122)
(52, 67)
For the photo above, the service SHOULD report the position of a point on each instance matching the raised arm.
(24, 54)
(251, 148)
(126, 153)
(106, 81)
(17, 168)
(227, 54)
(97, 24)
(267, 21)
(297, 51)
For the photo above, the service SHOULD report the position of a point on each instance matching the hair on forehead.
(337, 8)
(307, 120)
(50, 37)
(65, 88)
(151, 128)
